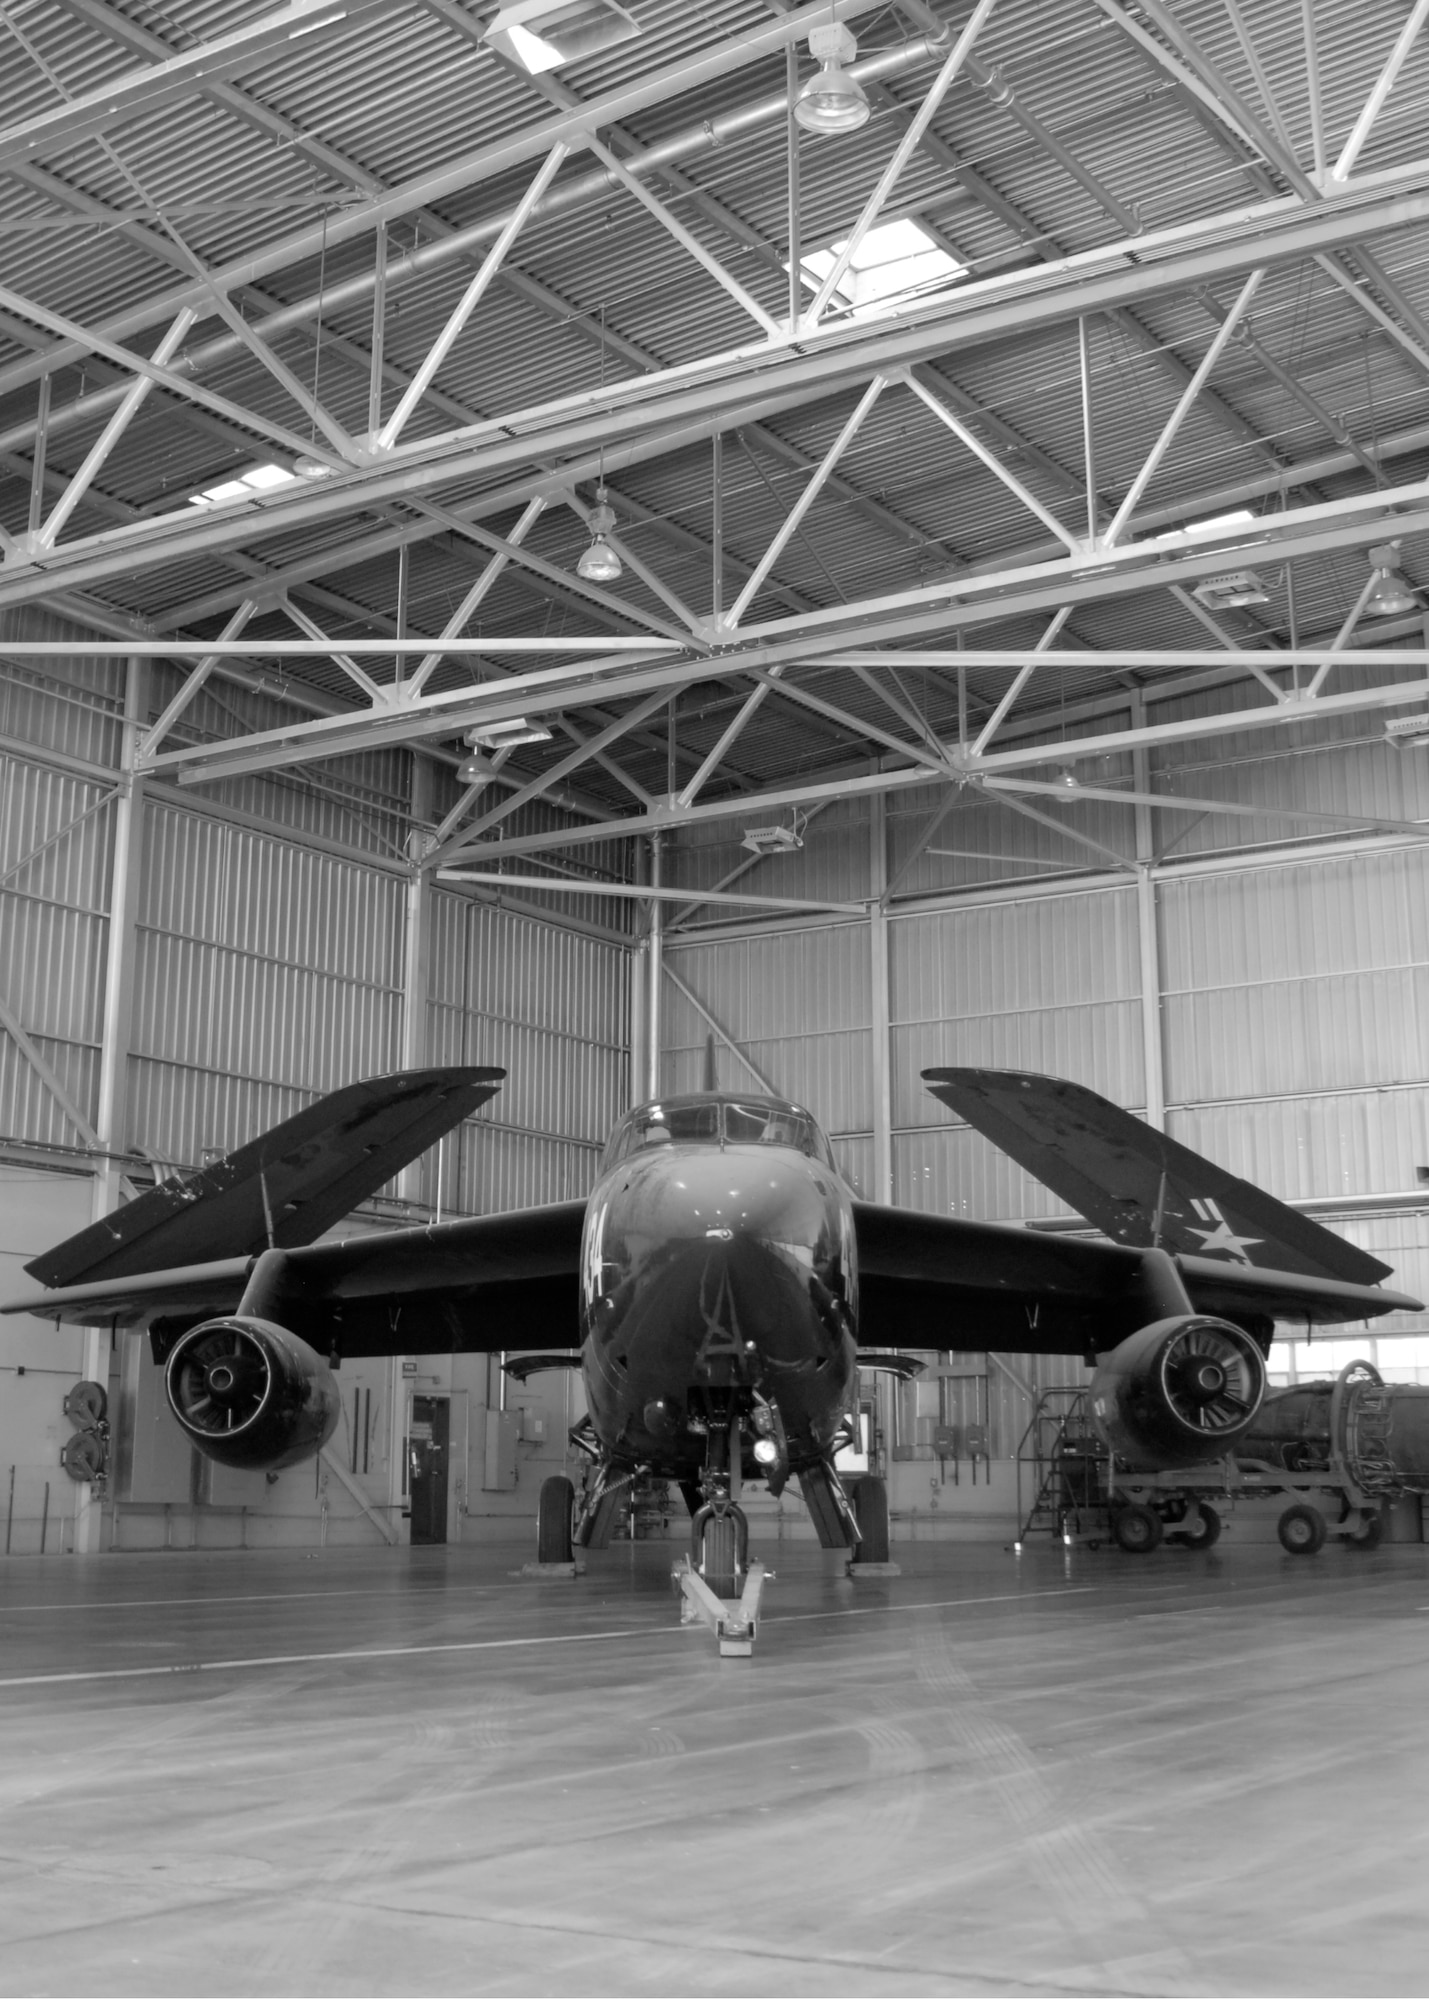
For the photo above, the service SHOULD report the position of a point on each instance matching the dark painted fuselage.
(716, 1270)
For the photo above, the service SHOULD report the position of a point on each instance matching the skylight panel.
(257, 479)
(895, 261)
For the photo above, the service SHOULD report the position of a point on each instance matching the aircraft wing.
(1138, 1186)
(288, 1187)
(937, 1281)
(478, 1286)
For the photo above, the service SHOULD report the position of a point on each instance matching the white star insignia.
(1222, 1241)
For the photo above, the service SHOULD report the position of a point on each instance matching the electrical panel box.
(945, 1440)
(533, 1426)
(498, 1471)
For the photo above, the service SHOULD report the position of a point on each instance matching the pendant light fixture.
(599, 563)
(1390, 596)
(832, 101)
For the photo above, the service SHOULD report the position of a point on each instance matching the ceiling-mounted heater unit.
(1228, 592)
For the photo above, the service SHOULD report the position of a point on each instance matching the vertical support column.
(1089, 449)
(37, 460)
(124, 886)
(796, 248)
(379, 335)
(656, 970)
(1148, 937)
(882, 1189)
(716, 530)
(639, 988)
(417, 944)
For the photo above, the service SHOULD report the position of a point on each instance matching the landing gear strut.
(717, 1581)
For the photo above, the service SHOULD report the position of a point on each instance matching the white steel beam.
(582, 754)
(165, 378)
(559, 885)
(1399, 694)
(687, 242)
(1178, 416)
(150, 739)
(1384, 83)
(902, 153)
(147, 90)
(379, 696)
(442, 346)
(692, 400)
(994, 464)
(806, 499)
(459, 619)
(83, 478)
(1019, 681)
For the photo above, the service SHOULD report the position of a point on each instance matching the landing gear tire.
(870, 1507)
(1301, 1531)
(1137, 1530)
(553, 1521)
(1201, 1528)
(719, 1554)
(1370, 1536)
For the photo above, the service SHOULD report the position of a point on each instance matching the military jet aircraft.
(720, 1289)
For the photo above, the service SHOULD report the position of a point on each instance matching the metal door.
(428, 1452)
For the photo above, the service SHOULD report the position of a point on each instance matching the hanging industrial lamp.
(1390, 596)
(599, 563)
(832, 101)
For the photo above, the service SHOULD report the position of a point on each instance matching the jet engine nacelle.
(1179, 1392)
(250, 1394)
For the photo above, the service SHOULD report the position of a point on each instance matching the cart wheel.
(1201, 1528)
(1301, 1531)
(1094, 1545)
(1371, 1535)
(1137, 1529)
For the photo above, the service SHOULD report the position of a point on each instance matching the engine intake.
(250, 1394)
(1179, 1392)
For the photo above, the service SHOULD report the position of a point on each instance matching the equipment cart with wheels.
(1327, 1456)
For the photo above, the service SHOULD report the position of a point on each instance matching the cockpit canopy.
(717, 1121)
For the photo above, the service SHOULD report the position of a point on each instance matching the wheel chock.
(857, 1569)
(734, 1621)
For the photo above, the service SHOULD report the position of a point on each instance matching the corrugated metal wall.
(269, 958)
(550, 1007)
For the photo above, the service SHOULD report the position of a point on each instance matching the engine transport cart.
(1331, 1453)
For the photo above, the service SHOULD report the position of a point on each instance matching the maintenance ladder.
(1065, 1465)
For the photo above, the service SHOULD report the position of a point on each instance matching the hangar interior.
(546, 562)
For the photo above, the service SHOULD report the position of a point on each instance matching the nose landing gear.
(717, 1581)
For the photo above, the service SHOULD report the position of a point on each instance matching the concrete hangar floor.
(418, 1772)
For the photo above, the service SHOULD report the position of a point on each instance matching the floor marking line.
(258, 1597)
(501, 1645)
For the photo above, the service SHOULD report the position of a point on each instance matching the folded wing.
(1138, 1186)
(286, 1188)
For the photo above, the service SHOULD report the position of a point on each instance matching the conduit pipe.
(593, 186)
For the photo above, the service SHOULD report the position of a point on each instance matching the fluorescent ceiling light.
(257, 479)
(894, 261)
(506, 735)
(540, 35)
(1240, 517)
